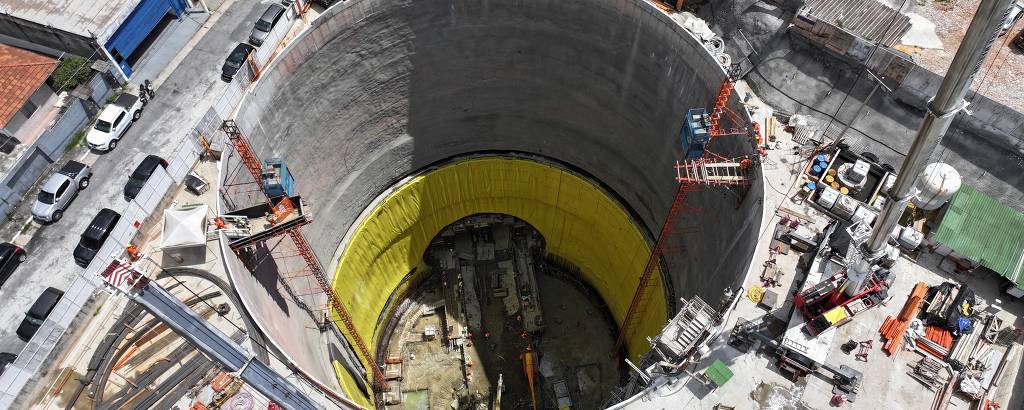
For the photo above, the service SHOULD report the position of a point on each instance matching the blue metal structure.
(134, 30)
(277, 181)
(696, 133)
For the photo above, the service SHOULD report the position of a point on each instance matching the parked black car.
(10, 257)
(94, 236)
(1019, 40)
(38, 313)
(141, 174)
(235, 60)
(6, 359)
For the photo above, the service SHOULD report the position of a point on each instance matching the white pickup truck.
(113, 121)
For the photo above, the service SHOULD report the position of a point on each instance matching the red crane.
(255, 167)
(691, 174)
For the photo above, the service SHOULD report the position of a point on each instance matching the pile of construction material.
(965, 347)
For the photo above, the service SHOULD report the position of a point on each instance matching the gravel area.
(1002, 75)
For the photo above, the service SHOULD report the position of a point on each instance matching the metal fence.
(139, 212)
(37, 158)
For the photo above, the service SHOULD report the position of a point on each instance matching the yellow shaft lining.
(578, 220)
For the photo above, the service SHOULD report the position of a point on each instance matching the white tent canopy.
(184, 228)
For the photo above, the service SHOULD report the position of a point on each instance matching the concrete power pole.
(948, 101)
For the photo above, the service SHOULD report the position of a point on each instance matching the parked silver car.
(58, 191)
(266, 24)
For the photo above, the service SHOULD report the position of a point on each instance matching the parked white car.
(58, 191)
(114, 121)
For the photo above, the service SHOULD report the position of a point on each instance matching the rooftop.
(984, 230)
(87, 18)
(21, 73)
(869, 19)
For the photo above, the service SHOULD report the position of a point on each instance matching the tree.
(71, 72)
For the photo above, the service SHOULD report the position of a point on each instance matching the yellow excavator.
(528, 368)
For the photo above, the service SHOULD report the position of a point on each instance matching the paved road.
(180, 101)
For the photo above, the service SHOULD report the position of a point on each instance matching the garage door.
(137, 26)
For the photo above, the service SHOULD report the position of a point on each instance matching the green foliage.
(71, 72)
(116, 93)
(77, 139)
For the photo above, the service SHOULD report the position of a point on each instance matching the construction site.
(622, 204)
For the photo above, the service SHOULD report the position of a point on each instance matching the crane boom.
(128, 280)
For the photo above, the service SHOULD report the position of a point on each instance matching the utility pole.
(948, 101)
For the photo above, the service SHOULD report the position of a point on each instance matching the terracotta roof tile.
(21, 73)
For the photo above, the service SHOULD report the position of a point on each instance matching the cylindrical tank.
(936, 185)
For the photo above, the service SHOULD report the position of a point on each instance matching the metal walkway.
(704, 171)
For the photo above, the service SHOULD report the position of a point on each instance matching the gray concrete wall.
(379, 89)
(35, 161)
(985, 145)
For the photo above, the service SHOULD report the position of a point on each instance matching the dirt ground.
(574, 347)
(1002, 75)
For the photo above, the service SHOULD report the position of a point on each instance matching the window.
(28, 108)
(102, 126)
(263, 25)
(63, 188)
(117, 121)
(45, 197)
(34, 320)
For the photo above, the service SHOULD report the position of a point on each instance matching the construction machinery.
(700, 167)
(529, 368)
(827, 305)
(125, 278)
(256, 169)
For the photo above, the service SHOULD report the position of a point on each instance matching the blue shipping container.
(696, 133)
(277, 181)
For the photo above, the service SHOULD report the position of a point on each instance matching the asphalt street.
(180, 102)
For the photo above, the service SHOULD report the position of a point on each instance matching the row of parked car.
(61, 188)
(55, 195)
(260, 30)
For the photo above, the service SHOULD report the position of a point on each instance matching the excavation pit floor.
(458, 355)
(580, 345)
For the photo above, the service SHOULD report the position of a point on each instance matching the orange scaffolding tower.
(691, 174)
(304, 250)
(639, 304)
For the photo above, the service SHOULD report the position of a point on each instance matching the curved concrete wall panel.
(379, 90)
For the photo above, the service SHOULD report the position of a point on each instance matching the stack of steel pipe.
(893, 329)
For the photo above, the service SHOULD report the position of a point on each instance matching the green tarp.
(985, 231)
(718, 372)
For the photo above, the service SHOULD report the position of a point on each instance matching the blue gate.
(137, 27)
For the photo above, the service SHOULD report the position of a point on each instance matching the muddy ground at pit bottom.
(575, 346)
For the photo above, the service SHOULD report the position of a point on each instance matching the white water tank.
(936, 186)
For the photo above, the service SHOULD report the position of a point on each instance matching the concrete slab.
(922, 33)
(758, 384)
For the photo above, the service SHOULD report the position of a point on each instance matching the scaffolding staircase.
(643, 290)
(720, 109)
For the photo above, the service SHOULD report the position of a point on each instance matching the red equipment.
(826, 304)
